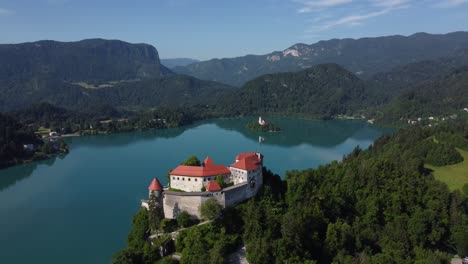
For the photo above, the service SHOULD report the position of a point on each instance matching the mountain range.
(386, 77)
(364, 57)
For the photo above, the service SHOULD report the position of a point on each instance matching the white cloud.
(450, 3)
(352, 15)
(391, 3)
(353, 20)
(311, 6)
(4, 11)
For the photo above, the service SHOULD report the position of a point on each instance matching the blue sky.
(205, 29)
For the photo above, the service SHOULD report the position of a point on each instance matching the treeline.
(106, 119)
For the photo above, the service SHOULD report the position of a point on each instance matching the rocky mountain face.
(86, 60)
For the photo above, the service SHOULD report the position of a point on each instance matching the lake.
(78, 208)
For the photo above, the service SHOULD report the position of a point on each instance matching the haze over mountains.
(365, 57)
(171, 63)
(325, 79)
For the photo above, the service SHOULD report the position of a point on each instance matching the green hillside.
(320, 91)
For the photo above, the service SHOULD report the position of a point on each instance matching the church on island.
(190, 186)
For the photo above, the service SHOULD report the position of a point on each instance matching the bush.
(168, 225)
(184, 219)
(192, 161)
(210, 209)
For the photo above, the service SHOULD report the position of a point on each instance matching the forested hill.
(320, 91)
(95, 72)
(91, 59)
(365, 57)
(403, 78)
(438, 98)
(173, 90)
(378, 205)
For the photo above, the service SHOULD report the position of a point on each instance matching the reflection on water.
(78, 208)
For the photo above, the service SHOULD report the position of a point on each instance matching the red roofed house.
(213, 186)
(193, 178)
(248, 166)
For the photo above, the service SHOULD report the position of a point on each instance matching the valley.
(369, 165)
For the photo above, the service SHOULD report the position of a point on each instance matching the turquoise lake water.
(78, 208)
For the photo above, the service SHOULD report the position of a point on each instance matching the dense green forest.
(320, 91)
(440, 98)
(106, 119)
(378, 205)
(174, 90)
(404, 77)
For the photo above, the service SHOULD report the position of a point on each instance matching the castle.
(190, 186)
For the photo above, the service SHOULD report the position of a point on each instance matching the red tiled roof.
(244, 155)
(248, 164)
(155, 185)
(208, 162)
(209, 169)
(213, 186)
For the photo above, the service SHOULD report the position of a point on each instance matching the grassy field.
(455, 176)
(43, 131)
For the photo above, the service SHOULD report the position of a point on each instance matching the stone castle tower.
(156, 189)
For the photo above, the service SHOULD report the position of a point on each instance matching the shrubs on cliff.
(208, 243)
(138, 250)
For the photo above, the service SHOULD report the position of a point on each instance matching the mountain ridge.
(363, 56)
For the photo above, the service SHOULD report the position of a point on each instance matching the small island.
(262, 126)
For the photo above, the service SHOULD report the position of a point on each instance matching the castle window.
(195, 179)
(188, 179)
(177, 178)
(183, 179)
(173, 178)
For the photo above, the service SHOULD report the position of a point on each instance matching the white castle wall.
(190, 184)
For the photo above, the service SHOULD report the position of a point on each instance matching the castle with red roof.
(190, 186)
